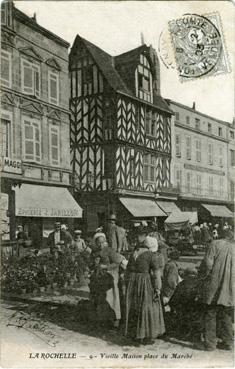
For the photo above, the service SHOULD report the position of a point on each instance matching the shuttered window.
(188, 182)
(199, 184)
(6, 68)
(54, 135)
(198, 150)
(210, 153)
(178, 145)
(221, 186)
(211, 189)
(178, 177)
(32, 140)
(5, 136)
(30, 78)
(221, 156)
(188, 147)
(53, 88)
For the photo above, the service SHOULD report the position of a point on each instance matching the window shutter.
(5, 69)
(29, 141)
(188, 147)
(27, 78)
(32, 140)
(188, 178)
(36, 81)
(6, 137)
(30, 78)
(53, 88)
(54, 143)
(177, 144)
(221, 156)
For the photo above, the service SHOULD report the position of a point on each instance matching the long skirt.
(112, 295)
(144, 316)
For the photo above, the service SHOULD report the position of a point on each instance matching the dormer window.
(144, 80)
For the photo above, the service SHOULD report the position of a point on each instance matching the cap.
(57, 223)
(77, 231)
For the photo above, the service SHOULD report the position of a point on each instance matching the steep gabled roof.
(112, 70)
(105, 63)
(131, 56)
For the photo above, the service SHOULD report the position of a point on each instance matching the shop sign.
(47, 213)
(11, 166)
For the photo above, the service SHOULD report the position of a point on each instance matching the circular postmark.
(197, 45)
(165, 50)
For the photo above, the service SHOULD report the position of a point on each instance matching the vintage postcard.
(117, 184)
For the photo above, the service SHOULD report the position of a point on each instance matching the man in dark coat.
(57, 238)
(216, 291)
(114, 235)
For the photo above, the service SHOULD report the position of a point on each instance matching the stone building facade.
(200, 162)
(34, 125)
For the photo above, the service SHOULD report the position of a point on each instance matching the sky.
(116, 27)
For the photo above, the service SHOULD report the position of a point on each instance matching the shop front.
(216, 213)
(141, 209)
(38, 207)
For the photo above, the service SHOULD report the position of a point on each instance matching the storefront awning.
(180, 219)
(45, 202)
(141, 208)
(168, 207)
(219, 211)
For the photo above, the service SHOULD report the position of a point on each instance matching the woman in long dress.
(104, 280)
(144, 315)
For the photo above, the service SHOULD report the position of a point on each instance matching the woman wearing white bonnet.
(110, 260)
(151, 243)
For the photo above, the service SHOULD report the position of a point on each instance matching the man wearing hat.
(58, 238)
(54, 238)
(79, 244)
(114, 235)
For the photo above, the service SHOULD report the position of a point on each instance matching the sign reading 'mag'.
(11, 166)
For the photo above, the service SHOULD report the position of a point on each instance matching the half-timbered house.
(120, 133)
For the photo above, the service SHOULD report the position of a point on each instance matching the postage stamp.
(198, 46)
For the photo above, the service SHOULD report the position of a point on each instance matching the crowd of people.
(205, 232)
(141, 291)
